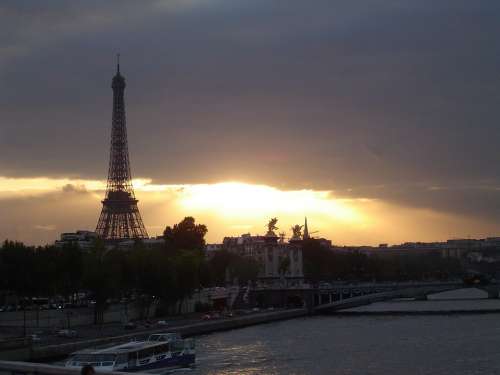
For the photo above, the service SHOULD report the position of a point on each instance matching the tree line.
(166, 273)
(322, 264)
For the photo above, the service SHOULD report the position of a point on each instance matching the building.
(146, 242)
(83, 238)
(212, 249)
(280, 262)
(453, 248)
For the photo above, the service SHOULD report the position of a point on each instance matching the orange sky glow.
(228, 209)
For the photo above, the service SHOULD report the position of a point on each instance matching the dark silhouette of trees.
(185, 236)
(322, 264)
(101, 276)
(69, 268)
(166, 274)
(227, 267)
(163, 273)
(19, 268)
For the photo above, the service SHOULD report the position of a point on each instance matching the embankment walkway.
(43, 353)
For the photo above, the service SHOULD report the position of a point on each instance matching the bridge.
(334, 297)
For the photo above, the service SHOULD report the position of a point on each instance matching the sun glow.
(227, 199)
(57, 205)
(246, 200)
(227, 208)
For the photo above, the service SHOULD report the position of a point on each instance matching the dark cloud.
(38, 219)
(325, 94)
(471, 202)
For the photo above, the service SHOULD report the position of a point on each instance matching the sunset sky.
(379, 120)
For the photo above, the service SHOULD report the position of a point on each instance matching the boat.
(159, 351)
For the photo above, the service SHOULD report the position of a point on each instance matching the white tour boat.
(159, 351)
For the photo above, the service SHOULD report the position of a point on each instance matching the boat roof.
(131, 346)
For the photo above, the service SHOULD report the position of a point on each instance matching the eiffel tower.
(120, 218)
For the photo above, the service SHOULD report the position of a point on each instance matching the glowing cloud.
(57, 205)
(42, 185)
(236, 199)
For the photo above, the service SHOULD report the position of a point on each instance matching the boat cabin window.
(160, 349)
(146, 353)
(189, 344)
(122, 358)
(177, 346)
(164, 337)
(108, 359)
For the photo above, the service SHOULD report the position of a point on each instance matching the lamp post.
(24, 319)
(68, 318)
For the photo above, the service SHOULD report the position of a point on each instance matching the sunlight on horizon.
(230, 208)
(43, 185)
(236, 199)
(230, 199)
(59, 205)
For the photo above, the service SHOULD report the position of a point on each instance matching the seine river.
(352, 345)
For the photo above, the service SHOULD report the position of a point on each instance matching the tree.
(102, 276)
(224, 263)
(244, 269)
(187, 265)
(70, 270)
(186, 235)
(317, 261)
(19, 267)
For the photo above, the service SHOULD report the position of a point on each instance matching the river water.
(352, 345)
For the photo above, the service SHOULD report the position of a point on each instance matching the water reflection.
(388, 345)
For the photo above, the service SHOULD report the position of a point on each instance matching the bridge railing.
(353, 285)
(408, 292)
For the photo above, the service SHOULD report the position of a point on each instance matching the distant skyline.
(380, 121)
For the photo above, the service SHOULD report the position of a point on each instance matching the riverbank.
(421, 312)
(48, 352)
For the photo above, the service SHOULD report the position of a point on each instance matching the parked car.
(130, 325)
(69, 333)
(162, 323)
(476, 278)
(35, 338)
